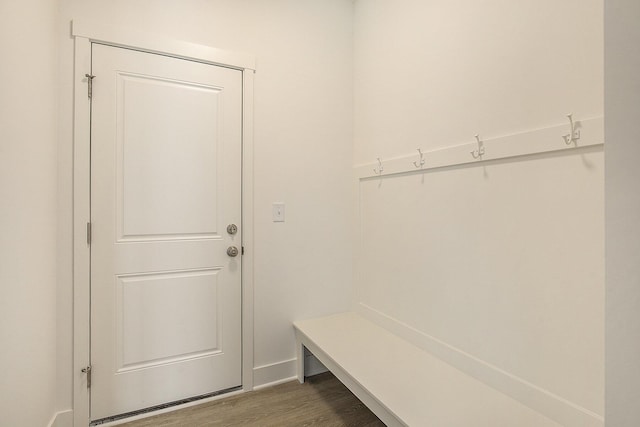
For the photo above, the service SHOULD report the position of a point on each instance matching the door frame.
(84, 34)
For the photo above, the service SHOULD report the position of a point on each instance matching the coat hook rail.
(502, 147)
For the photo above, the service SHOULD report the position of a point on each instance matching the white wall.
(502, 262)
(28, 164)
(303, 151)
(622, 109)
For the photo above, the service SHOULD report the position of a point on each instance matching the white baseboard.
(273, 374)
(62, 419)
(282, 372)
(554, 407)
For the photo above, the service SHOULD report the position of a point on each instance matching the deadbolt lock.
(232, 251)
(232, 229)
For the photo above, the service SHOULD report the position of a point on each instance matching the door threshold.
(139, 412)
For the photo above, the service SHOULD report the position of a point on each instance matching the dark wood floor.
(321, 401)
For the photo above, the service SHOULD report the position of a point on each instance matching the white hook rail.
(583, 133)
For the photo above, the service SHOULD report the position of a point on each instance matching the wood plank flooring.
(321, 401)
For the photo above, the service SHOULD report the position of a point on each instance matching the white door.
(165, 185)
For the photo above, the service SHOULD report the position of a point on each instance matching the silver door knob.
(232, 251)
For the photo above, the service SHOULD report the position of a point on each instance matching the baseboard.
(554, 407)
(274, 373)
(62, 419)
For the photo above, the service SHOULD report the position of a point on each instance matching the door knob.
(232, 251)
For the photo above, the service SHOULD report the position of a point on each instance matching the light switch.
(278, 212)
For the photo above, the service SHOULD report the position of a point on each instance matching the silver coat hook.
(574, 134)
(480, 151)
(380, 168)
(419, 163)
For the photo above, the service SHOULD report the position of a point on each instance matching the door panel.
(161, 204)
(165, 183)
(146, 308)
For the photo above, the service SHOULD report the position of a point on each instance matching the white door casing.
(166, 147)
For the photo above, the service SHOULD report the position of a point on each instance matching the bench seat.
(403, 384)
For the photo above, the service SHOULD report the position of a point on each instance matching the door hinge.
(88, 233)
(87, 371)
(89, 84)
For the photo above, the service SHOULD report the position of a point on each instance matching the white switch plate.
(278, 212)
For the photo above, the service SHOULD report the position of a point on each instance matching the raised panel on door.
(147, 315)
(165, 183)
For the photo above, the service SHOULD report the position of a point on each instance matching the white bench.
(403, 384)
